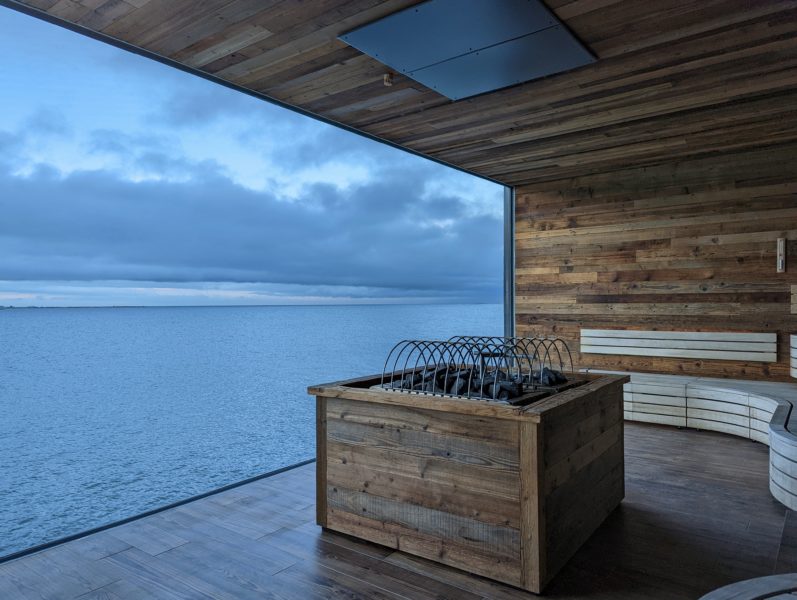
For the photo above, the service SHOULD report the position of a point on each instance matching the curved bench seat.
(772, 587)
(756, 410)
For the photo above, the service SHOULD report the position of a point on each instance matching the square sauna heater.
(486, 454)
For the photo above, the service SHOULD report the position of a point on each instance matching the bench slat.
(739, 346)
(735, 346)
(683, 335)
(678, 353)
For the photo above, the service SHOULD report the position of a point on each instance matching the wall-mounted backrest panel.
(756, 347)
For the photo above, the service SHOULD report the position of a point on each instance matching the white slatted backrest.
(754, 347)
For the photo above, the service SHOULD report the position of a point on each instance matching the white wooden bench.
(740, 346)
(756, 410)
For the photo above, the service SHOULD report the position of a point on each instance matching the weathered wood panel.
(533, 559)
(422, 481)
(489, 481)
(687, 245)
(499, 497)
(583, 473)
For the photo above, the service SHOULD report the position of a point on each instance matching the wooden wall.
(686, 245)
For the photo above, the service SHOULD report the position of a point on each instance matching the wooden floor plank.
(697, 515)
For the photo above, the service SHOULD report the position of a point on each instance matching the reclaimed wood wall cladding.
(674, 78)
(681, 246)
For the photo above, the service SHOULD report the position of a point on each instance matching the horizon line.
(12, 307)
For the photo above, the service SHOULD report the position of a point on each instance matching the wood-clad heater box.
(506, 492)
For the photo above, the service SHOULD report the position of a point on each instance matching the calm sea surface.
(108, 412)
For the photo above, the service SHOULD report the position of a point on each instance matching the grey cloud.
(92, 226)
(186, 108)
(10, 143)
(334, 142)
(311, 143)
(47, 122)
(168, 164)
(159, 154)
(107, 141)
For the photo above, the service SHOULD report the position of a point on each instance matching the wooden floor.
(697, 515)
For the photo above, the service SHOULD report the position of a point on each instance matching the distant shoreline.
(260, 305)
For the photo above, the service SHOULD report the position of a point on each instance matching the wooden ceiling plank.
(377, 103)
(567, 11)
(245, 36)
(250, 70)
(317, 59)
(69, 10)
(108, 13)
(774, 131)
(92, 4)
(215, 22)
(642, 28)
(612, 73)
(723, 118)
(690, 93)
(44, 5)
(156, 17)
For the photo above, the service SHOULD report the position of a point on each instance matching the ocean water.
(109, 412)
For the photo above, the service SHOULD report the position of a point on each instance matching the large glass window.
(196, 258)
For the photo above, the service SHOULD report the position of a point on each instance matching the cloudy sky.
(125, 182)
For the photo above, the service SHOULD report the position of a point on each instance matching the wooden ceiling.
(674, 79)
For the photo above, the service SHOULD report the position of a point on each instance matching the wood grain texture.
(533, 559)
(473, 491)
(682, 246)
(582, 470)
(674, 81)
(405, 477)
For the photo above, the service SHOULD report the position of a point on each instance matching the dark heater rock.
(550, 377)
(492, 384)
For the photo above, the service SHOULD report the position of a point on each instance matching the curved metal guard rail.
(483, 367)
